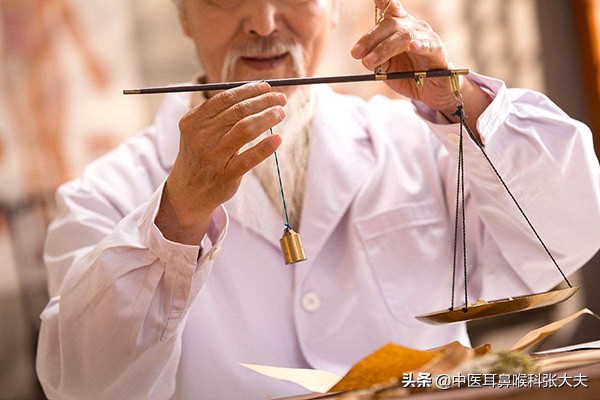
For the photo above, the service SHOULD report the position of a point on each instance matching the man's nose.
(262, 19)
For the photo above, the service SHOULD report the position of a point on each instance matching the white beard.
(295, 131)
(292, 154)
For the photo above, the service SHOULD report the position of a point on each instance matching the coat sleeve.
(119, 290)
(548, 162)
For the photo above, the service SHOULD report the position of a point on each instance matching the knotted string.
(287, 220)
(460, 190)
(539, 238)
(460, 197)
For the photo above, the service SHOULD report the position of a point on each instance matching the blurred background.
(63, 65)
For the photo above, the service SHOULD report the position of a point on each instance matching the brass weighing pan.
(494, 308)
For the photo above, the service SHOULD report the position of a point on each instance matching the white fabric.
(133, 315)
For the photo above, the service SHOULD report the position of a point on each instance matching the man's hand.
(400, 42)
(209, 167)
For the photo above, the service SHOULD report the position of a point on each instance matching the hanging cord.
(455, 233)
(287, 220)
(454, 80)
(460, 197)
(470, 132)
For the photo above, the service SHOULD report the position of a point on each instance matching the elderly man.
(164, 265)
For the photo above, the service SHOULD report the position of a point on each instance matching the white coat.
(133, 315)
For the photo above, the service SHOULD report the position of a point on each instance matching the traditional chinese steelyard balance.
(484, 309)
(291, 245)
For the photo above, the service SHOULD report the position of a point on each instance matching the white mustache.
(263, 47)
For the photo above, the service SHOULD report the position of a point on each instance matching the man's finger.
(426, 47)
(395, 44)
(370, 39)
(245, 108)
(251, 127)
(240, 164)
(228, 98)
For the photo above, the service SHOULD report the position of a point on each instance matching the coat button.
(311, 302)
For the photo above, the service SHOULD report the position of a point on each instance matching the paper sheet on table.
(538, 334)
(386, 363)
(312, 379)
